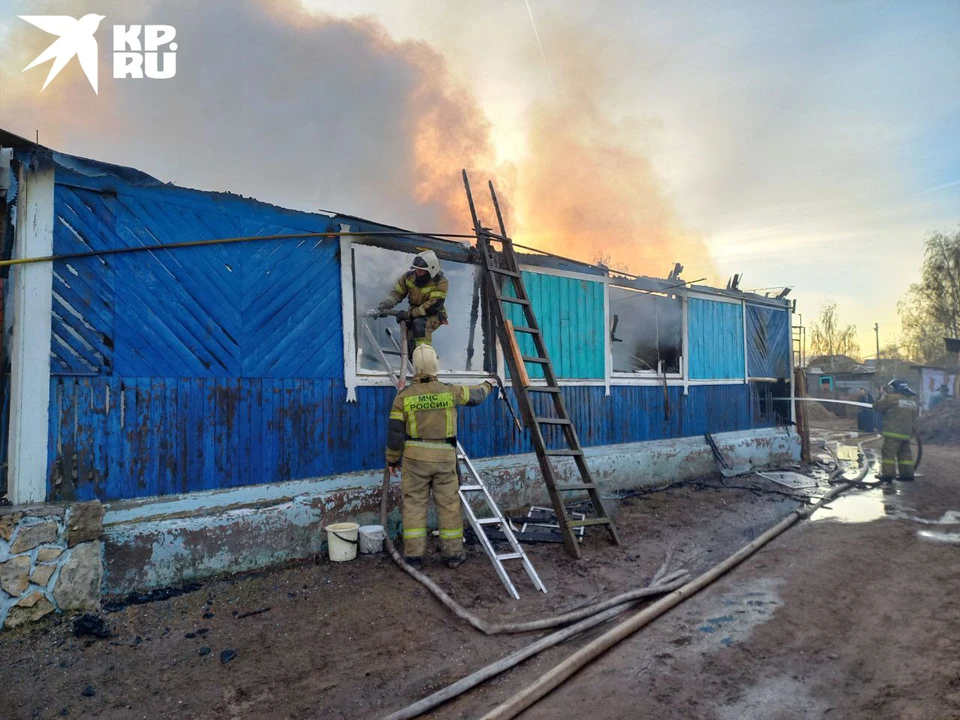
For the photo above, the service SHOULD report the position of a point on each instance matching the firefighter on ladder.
(425, 287)
(423, 433)
(899, 409)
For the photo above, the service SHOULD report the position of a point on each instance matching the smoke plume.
(312, 111)
(587, 186)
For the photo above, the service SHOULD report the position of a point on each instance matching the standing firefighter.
(899, 409)
(423, 431)
(426, 289)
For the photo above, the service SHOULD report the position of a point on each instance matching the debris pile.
(817, 412)
(941, 426)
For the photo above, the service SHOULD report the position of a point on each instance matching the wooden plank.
(113, 484)
(98, 435)
(514, 350)
(242, 471)
(182, 431)
(167, 451)
(208, 400)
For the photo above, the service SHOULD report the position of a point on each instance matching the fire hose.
(916, 435)
(590, 616)
(594, 649)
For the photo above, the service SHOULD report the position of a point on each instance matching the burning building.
(224, 403)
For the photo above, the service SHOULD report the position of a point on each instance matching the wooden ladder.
(502, 272)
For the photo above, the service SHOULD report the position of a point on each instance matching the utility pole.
(876, 329)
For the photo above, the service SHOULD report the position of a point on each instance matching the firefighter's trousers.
(417, 478)
(896, 451)
(420, 332)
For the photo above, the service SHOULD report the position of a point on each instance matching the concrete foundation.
(164, 541)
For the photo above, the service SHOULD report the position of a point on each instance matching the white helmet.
(427, 260)
(425, 360)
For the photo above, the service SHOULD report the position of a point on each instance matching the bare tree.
(931, 309)
(829, 337)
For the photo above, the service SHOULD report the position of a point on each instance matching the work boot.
(455, 561)
(415, 562)
(905, 478)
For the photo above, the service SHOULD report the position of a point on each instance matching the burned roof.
(106, 177)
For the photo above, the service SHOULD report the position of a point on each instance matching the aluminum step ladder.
(546, 417)
(476, 486)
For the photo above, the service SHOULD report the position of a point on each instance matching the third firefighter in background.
(899, 409)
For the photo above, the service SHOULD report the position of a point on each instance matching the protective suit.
(422, 431)
(425, 287)
(900, 410)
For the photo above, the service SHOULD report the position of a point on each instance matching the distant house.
(890, 368)
(838, 374)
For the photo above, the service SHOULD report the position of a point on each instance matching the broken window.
(771, 402)
(459, 343)
(646, 332)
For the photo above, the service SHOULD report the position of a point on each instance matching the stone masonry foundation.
(51, 559)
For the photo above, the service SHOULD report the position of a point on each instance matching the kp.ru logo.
(131, 57)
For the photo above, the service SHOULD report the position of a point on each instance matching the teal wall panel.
(715, 334)
(570, 314)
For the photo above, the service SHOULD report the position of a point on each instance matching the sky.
(810, 144)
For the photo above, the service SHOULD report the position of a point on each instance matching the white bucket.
(371, 539)
(342, 541)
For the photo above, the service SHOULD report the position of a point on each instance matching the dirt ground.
(851, 615)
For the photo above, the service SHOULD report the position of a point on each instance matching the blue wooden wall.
(174, 348)
(139, 437)
(570, 314)
(268, 309)
(220, 366)
(768, 342)
(715, 339)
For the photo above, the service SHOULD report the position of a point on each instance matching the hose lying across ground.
(663, 583)
(531, 694)
(586, 617)
(555, 677)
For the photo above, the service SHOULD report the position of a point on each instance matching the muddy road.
(851, 615)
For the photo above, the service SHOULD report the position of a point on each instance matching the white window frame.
(739, 380)
(353, 376)
(653, 377)
(564, 382)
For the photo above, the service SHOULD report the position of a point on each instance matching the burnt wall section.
(768, 342)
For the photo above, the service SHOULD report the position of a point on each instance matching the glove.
(394, 469)
(402, 316)
(383, 306)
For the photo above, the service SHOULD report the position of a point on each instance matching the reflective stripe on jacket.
(424, 299)
(423, 419)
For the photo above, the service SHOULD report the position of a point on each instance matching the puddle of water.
(728, 619)
(950, 517)
(859, 508)
(939, 536)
